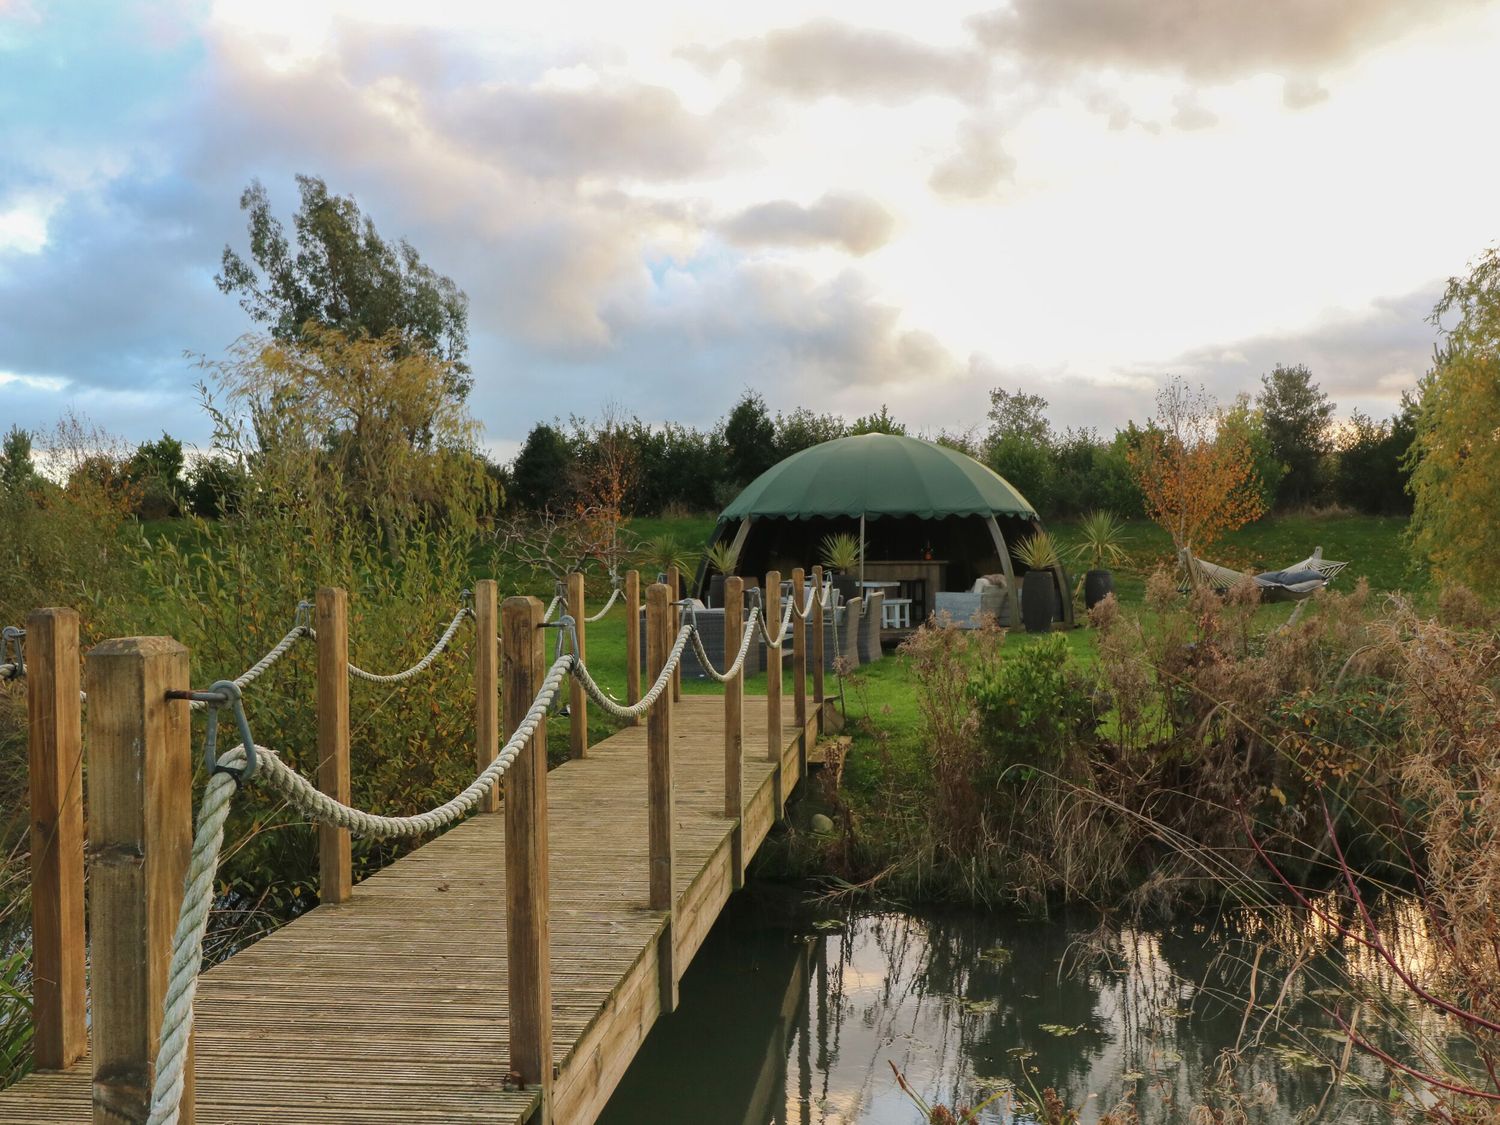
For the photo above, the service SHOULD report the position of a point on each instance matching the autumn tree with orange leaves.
(1197, 477)
(604, 481)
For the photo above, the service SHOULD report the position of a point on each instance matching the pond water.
(789, 1015)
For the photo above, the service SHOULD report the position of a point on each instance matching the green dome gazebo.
(911, 502)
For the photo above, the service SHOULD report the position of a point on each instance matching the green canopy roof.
(877, 475)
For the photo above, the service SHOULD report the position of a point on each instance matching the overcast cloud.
(668, 206)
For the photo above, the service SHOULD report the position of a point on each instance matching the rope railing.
(614, 595)
(192, 921)
(421, 665)
(708, 665)
(813, 596)
(249, 763)
(264, 664)
(635, 710)
(786, 622)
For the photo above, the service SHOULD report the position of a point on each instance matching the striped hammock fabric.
(1296, 582)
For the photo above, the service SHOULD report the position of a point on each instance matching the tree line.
(1302, 456)
(358, 371)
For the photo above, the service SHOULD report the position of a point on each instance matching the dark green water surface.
(794, 1016)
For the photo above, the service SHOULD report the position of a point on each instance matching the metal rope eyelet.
(13, 650)
(223, 693)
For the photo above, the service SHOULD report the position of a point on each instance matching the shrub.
(1036, 713)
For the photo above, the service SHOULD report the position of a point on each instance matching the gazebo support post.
(1012, 601)
(739, 536)
(861, 553)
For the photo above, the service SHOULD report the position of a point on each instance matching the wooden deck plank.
(393, 1006)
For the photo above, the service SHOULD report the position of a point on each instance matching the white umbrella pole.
(861, 553)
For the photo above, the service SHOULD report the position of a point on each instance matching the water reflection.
(792, 1019)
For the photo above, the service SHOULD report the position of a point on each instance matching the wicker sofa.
(970, 608)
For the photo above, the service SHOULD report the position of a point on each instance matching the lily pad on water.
(1060, 1030)
(997, 955)
(828, 924)
(970, 1004)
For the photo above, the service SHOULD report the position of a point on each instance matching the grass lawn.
(1374, 547)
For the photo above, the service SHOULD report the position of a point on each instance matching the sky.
(656, 206)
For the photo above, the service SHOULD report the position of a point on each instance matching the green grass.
(1374, 547)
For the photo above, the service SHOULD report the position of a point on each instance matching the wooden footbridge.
(506, 970)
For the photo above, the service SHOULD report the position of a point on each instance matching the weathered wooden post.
(487, 684)
(674, 590)
(734, 720)
(331, 615)
(659, 636)
(819, 652)
(771, 605)
(578, 702)
(633, 639)
(140, 819)
(528, 935)
(799, 664)
(56, 762)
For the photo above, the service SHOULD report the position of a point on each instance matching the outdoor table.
(896, 613)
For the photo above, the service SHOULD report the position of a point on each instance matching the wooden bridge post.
(659, 637)
(528, 933)
(633, 639)
(487, 683)
(819, 652)
(331, 616)
(56, 762)
(578, 702)
(799, 664)
(140, 820)
(734, 721)
(771, 606)
(674, 589)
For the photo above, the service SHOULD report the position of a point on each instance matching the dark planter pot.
(847, 585)
(1097, 585)
(1038, 600)
(716, 591)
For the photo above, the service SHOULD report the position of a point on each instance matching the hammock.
(1296, 582)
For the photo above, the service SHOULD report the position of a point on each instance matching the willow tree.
(1196, 474)
(336, 271)
(1455, 458)
(355, 422)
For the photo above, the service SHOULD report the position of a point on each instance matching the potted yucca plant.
(723, 559)
(665, 551)
(1039, 597)
(840, 555)
(1102, 546)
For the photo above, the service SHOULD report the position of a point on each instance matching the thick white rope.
(421, 665)
(708, 665)
(552, 607)
(786, 621)
(244, 679)
(259, 668)
(805, 609)
(192, 920)
(187, 943)
(304, 796)
(614, 596)
(635, 710)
